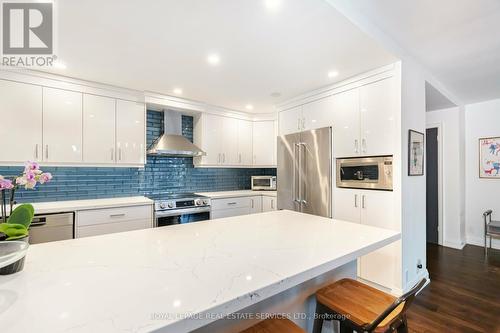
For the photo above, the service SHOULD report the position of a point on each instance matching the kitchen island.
(184, 277)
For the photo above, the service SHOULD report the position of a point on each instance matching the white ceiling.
(457, 40)
(435, 100)
(159, 45)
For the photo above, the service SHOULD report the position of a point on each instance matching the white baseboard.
(454, 245)
(480, 242)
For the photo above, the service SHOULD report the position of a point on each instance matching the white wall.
(450, 122)
(481, 120)
(413, 189)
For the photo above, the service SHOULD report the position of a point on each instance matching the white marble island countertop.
(124, 282)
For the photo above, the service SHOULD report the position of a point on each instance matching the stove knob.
(198, 202)
(205, 202)
(170, 205)
(162, 205)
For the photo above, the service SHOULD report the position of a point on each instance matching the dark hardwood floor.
(464, 293)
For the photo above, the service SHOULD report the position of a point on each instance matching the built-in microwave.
(365, 172)
(264, 183)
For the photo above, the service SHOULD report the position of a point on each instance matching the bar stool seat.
(359, 302)
(275, 325)
(363, 308)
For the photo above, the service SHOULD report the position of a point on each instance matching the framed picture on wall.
(489, 158)
(416, 150)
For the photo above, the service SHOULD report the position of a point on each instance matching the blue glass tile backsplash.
(161, 174)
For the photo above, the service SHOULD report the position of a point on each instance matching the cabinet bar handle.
(120, 153)
(112, 154)
(363, 201)
(356, 150)
(47, 151)
(232, 203)
(240, 157)
(117, 215)
(224, 158)
(36, 151)
(252, 203)
(272, 203)
(363, 145)
(355, 201)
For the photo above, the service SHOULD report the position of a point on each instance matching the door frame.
(441, 194)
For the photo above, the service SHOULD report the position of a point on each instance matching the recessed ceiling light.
(276, 94)
(178, 91)
(249, 107)
(59, 65)
(273, 4)
(213, 59)
(332, 74)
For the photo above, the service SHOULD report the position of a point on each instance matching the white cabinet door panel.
(229, 141)
(98, 129)
(377, 210)
(256, 205)
(346, 122)
(21, 114)
(245, 142)
(130, 132)
(346, 205)
(62, 126)
(211, 139)
(290, 121)
(268, 204)
(264, 143)
(378, 112)
(319, 113)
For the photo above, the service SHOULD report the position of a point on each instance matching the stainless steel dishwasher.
(51, 227)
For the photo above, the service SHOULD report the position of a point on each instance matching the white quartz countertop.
(236, 194)
(152, 279)
(77, 205)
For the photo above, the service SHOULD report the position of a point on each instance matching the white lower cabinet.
(111, 220)
(237, 206)
(374, 208)
(268, 204)
(256, 205)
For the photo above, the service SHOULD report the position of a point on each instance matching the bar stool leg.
(318, 320)
(344, 328)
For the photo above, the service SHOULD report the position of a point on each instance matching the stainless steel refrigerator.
(305, 172)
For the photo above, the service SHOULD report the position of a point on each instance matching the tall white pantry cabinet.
(363, 117)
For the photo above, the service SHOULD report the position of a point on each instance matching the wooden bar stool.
(362, 308)
(275, 325)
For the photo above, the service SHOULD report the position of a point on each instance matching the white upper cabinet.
(99, 129)
(291, 121)
(264, 143)
(229, 141)
(346, 123)
(319, 113)
(21, 116)
(62, 126)
(130, 133)
(245, 144)
(378, 112)
(207, 136)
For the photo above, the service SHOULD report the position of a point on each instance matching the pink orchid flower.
(5, 184)
(45, 177)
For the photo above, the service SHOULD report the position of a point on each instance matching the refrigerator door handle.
(295, 187)
(303, 173)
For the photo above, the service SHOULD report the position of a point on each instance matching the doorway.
(433, 213)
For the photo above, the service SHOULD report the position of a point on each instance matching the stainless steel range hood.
(171, 142)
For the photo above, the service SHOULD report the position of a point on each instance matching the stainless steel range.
(171, 209)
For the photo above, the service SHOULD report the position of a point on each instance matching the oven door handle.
(182, 211)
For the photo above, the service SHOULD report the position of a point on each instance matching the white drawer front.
(109, 228)
(114, 215)
(230, 203)
(219, 214)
